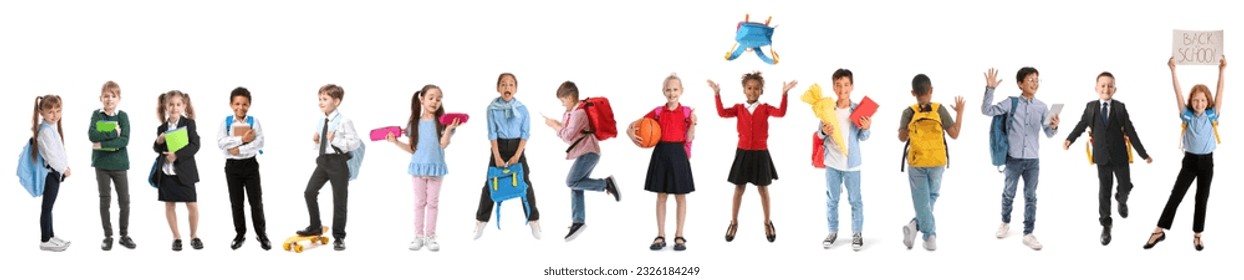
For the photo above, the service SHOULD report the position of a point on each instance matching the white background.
(381, 53)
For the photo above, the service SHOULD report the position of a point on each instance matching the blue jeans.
(1029, 169)
(578, 182)
(835, 179)
(926, 184)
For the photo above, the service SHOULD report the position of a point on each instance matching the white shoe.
(931, 243)
(51, 246)
(1003, 230)
(535, 229)
(479, 229)
(417, 243)
(909, 235)
(60, 242)
(1031, 241)
(430, 242)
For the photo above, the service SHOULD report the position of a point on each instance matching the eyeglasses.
(1038, 81)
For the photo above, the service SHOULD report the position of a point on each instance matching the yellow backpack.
(926, 141)
(1089, 150)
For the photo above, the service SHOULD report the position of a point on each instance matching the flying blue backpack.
(356, 155)
(31, 172)
(998, 143)
(504, 184)
(250, 121)
(752, 36)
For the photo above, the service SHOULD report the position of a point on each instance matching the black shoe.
(575, 230)
(1105, 235)
(107, 245)
(611, 186)
(770, 232)
(339, 244)
(196, 243)
(1196, 243)
(657, 243)
(1122, 206)
(311, 231)
(127, 242)
(1160, 236)
(264, 243)
(177, 245)
(680, 246)
(237, 242)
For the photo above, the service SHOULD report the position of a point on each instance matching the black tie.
(324, 137)
(1105, 113)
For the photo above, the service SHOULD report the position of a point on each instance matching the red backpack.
(818, 151)
(686, 114)
(600, 120)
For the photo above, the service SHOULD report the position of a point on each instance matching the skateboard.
(292, 242)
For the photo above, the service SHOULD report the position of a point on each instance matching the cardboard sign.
(1197, 47)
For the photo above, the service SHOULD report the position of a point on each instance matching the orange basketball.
(649, 131)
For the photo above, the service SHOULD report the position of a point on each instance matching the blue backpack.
(31, 173)
(505, 184)
(356, 155)
(752, 36)
(998, 143)
(250, 121)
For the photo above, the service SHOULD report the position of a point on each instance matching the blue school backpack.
(356, 155)
(752, 36)
(250, 121)
(31, 172)
(505, 184)
(998, 143)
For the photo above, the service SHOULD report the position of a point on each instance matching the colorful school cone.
(825, 110)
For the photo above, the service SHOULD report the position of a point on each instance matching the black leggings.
(1200, 168)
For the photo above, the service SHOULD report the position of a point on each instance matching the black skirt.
(172, 190)
(752, 166)
(669, 171)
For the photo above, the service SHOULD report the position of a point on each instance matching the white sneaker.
(909, 235)
(535, 229)
(1031, 241)
(417, 243)
(60, 242)
(430, 242)
(51, 246)
(1003, 230)
(931, 243)
(479, 229)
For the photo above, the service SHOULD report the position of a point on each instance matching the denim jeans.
(926, 184)
(578, 182)
(835, 179)
(1029, 169)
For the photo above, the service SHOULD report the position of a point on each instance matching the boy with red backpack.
(585, 123)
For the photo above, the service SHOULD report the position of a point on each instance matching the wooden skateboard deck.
(292, 243)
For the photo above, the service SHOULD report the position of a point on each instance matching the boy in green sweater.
(110, 133)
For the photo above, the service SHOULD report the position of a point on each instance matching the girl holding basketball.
(752, 163)
(669, 171)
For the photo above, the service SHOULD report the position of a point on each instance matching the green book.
(176, 139)
(107, 149)
(106, 126)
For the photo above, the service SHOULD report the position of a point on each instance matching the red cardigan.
(753, 127)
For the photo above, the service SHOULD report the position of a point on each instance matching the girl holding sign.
(1200, 134)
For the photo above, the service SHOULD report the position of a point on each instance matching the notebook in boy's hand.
(105, 126)
(240, 130)
(866, 109)
(176, 139)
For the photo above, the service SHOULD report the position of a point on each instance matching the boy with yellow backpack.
(924, 127)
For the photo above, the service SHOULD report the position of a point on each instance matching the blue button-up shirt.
(516, 126)
(1023, 132)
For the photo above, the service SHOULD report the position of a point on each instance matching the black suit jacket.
(1108, 146)
(187, 170)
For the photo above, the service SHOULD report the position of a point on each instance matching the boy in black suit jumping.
(1110, 130)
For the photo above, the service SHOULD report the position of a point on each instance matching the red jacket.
(753, 127)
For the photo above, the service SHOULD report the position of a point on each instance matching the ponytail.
(160, 111)
(34, 130)
(185, 97)
(416, 111)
